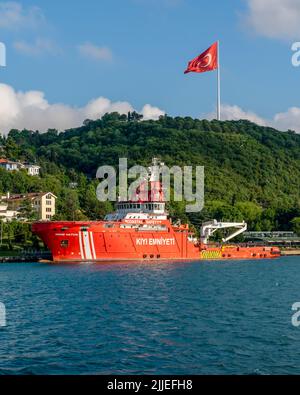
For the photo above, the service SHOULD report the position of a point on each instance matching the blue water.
(183, 318)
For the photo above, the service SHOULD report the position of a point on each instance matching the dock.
(26, 257)
(295, 252)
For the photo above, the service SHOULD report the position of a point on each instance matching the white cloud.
(281, 121)
(94, 52)
(150, 112)
(38, 47)
(31, 110)
(235, 113)
(288, 120)
(274, 18)
(14, 16)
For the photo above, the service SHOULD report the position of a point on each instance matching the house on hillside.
(32, 170)
(7, 215)
(44, 204)
(8, 165)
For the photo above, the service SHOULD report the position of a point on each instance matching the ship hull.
(97, 242)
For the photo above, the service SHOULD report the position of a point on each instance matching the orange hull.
(151, 240)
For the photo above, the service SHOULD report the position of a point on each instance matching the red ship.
(140, 230)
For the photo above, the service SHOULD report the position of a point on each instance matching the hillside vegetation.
(252, 172)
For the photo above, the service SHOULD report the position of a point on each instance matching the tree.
(11, 149)
(134, 117)
(68, 207)
(296, 225)
(92, 207)
(27, 211)
(251, 213)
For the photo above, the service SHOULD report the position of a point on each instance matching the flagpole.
(219, 86)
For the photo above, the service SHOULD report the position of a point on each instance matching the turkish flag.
(207, 61)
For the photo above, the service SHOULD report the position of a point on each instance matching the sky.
(72, 60)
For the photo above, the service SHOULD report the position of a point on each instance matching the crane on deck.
(209, 228)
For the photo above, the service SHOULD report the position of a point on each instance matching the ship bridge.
(139, 210)
(147, 201)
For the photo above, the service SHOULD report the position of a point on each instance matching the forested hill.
(247, 167)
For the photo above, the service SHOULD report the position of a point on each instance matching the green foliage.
(27, 211)
(17, 236)
(296, 225)
(252, 173)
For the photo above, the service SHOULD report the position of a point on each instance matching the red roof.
(24, 196)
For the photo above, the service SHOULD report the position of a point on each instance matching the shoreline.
(25, 258)
(293, 252)
(11, 259)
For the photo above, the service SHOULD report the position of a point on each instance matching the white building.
(7, 215)
(8, 165)
(43, 203)
(33, 170)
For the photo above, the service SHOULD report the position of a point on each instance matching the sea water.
(230, 317)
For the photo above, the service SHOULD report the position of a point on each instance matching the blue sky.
(136, 51)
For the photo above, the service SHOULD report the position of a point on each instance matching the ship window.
(109, 226)
(64, 243)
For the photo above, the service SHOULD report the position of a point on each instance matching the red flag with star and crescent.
(207, 61)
